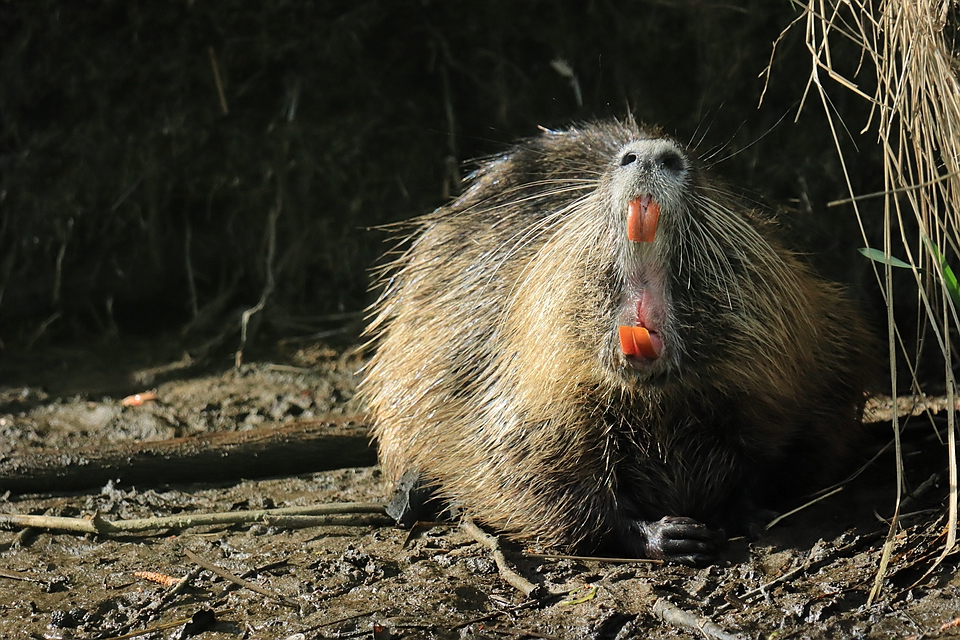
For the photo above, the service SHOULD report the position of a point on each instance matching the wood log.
(278, 450)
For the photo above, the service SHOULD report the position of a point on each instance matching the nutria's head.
(639, 262)
(646, 192)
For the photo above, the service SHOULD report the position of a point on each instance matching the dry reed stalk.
(916, 109)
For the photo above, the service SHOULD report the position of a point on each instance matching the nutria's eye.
(628, 158)
(671, 161)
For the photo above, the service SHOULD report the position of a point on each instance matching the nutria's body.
(500, 377)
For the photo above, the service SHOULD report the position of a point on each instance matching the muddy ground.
(807, 577)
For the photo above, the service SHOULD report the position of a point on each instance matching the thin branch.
(560, 556)
(226, 575)
(269, 285)
(779, 518)
(216, 79)
(671, 614)
(508, 573)
(321, 515)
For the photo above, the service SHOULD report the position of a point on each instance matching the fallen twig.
(340, 620)
(249, 574)
(779, 518)
(522, 633)
(226, 575)
(162, 627)
(179, 586)
(671, 614)
(483, 618)
(20, 575)
(508, 573)
(321, 514)
(560, 556)
(343, 520)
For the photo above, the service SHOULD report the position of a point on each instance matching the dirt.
(809, 576)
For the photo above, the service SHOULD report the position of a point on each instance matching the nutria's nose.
(655, 155)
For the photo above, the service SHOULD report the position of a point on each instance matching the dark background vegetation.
(131, 203)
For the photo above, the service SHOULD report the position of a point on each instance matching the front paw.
(680, 540)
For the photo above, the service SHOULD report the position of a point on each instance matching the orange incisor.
(642, 216)
(635, 341)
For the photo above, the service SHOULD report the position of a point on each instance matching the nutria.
(599, 346)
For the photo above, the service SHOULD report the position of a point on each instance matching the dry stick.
(180, 585)
(889, 192)
(301, 522)
(147, 375)
(42, 329)
(226, 575)
(99, 526)
(270, 283)
(483, 618)
(19, 575)
(160, 627)
(343, 619)
(191, 280)
(523, 633)
(23, 538)
(217, 81)
(57, 276)
(249, 574)
(560, 556)
(779, 518)
(670, 614)
(781, 578)
(507, 572)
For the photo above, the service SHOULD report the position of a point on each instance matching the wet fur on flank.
(499, 375)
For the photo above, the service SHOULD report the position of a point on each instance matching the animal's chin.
(635, 376)
(642, 363)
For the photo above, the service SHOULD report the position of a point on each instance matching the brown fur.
(499, 374)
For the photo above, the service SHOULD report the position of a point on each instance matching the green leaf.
(949, 278)
(878, 256)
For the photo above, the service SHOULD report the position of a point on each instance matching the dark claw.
(412, 501)
(681, 540)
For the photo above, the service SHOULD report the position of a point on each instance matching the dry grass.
(906, 59)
